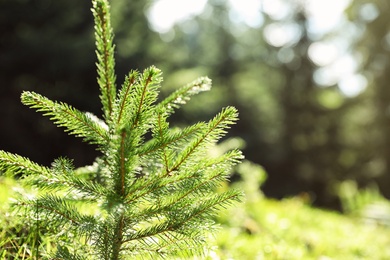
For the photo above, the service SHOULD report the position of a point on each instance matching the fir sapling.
(152, 192)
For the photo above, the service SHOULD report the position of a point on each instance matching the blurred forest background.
(313, 96)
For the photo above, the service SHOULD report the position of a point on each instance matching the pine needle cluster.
(152, 192)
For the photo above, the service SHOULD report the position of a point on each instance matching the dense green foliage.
(151, 192)
(260, 228)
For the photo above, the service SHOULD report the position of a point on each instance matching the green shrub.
(150, 194)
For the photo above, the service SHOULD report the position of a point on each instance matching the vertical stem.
(120, 190)
(118, 240)
(122, 170)
(37, 231)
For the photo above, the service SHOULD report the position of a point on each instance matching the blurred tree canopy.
(311, 117)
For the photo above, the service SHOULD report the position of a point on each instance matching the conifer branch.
(58, 211)
(63, 253)
(86, 190)
(105, 54)
(76, 122)
(144, 95)
(190, 179)
(171, 138)
(12, 163)
(223, 163)
(182, 95)
(215, 130)
(124, 99)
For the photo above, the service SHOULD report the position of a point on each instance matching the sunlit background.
(310, 79)
(338, 65)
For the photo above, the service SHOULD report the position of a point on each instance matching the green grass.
(259, 228)
(290, 229)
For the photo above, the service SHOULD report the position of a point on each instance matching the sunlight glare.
(322, 53)
(353, 85)
(275, 9)
(163, 14)
(247, 11)
(336, 67)
(325, 15)
(281, 34)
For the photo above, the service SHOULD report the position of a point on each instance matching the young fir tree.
(153, 187)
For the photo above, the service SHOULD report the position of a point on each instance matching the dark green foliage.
(151, 193)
